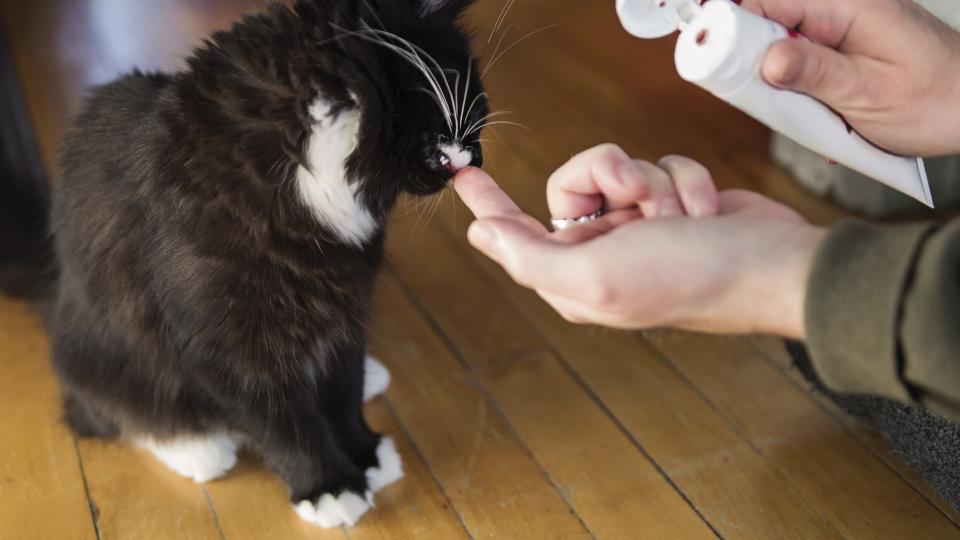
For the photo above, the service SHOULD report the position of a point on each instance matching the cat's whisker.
(456, 101)
(375, 15)
(513, 155)
(503, 36)
(415, 51)
(466, 91)
(497, 57)
(413, 57)
(418, 54)
(436, 99)
(473, 104)
(410, 56)
(499, 123)
(437, 203)
(501, 18)
(480, 124)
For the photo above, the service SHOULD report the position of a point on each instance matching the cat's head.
(405, 71)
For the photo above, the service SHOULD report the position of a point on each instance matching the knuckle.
(610, 151)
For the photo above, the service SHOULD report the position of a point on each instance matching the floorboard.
(42, 492)
(512, 423)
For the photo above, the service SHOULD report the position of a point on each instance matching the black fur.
(926, 441)
(197, 292)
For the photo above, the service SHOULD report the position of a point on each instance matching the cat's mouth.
(454, 157)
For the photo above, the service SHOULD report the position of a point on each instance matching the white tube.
(722, 50)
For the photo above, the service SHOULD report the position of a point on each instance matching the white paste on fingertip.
(459, 156)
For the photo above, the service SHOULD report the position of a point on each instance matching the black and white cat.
(218, 232)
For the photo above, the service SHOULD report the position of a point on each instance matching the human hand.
(888, 66)
(679, 255)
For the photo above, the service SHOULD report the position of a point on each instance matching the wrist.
(780, 283)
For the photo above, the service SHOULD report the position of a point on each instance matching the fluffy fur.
(218, 232)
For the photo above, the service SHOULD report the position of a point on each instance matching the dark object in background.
(26, 255)
(927, 442)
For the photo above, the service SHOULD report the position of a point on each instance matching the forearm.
(882, 311)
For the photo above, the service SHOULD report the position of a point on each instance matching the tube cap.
(655, 18)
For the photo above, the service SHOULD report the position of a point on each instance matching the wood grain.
(415, 507)
(853, 488)
(586, 348)
(135, 496)
(558, 421)
(616, 490)
(512, 423)
(726, 480)
(252, 503)
(41, 484)
(498, 490)
(773, 350)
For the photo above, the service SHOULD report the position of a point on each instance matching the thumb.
(807, 67)
(532, 259)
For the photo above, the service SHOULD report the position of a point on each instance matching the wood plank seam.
(456, 353)
(596, 398)
(568, 369)
(831, 413)
(630, 436)
(447, 340)
(94, 515)
(213, 514)
(667, 362)
(809, 392)
(523, 444)
(427, 318)
(733, 427)
(426, 465)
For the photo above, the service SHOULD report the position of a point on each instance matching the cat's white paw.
(329, 511)
(376, 378)
(389, 469)
(202, 458)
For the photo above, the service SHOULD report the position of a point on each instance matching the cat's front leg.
(351, 380)
(288, 421)
(308, 452)
(304, 414)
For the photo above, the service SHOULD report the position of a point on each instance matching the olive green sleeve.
(883, 312)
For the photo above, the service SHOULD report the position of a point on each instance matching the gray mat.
(927, 442)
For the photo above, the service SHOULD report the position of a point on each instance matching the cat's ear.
(448, 8)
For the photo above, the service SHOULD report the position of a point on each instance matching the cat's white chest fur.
(324, 183)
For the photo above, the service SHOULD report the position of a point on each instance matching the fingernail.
(669, 208)
(483, 237)
(631, 176)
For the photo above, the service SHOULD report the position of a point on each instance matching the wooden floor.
(511, 422)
